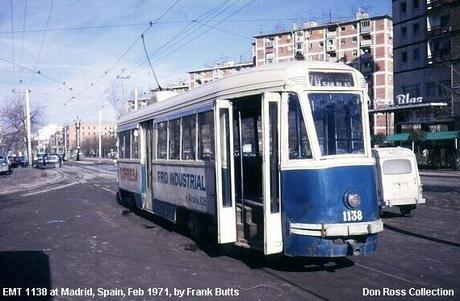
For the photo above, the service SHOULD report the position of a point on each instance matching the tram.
(276, 158)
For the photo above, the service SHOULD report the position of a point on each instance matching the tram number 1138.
(352, 215)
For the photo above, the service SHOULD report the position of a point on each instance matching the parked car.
(38, 160)
(5, 166)
(12, 160)
(22, 161)
(54, 161)
(398, 179)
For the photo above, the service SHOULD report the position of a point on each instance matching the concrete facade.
(426, 53)
(364, 43)
(202, 76)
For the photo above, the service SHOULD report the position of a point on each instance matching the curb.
(445, 175)
(53, 181)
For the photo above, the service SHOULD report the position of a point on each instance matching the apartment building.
(427, 53)
(79, 132)
(364, 43)
(219, 70)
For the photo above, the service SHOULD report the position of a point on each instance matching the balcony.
(434, 4)
(365, 29)
(331, 47)
(331, 34)
(438, 30)
(366, 43)
(439, 56)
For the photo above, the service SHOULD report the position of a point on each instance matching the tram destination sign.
(331, 79)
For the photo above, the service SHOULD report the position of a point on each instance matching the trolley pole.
(29, 142)
(100, 134)
(136, 99)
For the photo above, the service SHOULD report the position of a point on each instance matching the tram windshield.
(338, 122)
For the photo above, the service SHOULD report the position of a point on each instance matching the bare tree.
(118, 103)
(13, 122)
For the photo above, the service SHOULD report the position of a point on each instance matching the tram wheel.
(195, 227)
(406, 210)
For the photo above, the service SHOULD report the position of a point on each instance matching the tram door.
(225, 183)
(273, 242)
(147, 132)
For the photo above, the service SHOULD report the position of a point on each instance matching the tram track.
(293, 284)
(425, 237)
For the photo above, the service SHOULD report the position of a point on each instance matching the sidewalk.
(93, 161)
(440, 173)
(23, 179)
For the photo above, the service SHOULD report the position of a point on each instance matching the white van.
(398, 178)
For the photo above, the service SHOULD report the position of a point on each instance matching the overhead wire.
(114, 26)
(23, 37)
(151, 23)
(183, 34)
(42, 41)
(200, 34)
(39, 73)
(12, 41)
(204, 32)
(183, 31)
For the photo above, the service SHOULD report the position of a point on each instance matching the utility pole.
(65, 140)
(123, 77)
(100, 134)
(29, 142)
(136, 99)
(77, 137)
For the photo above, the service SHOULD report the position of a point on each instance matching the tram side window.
(127, 144)
(206, 136)
(162, 129)
(299, 146)
(188, 137)
(135, 135)
(174, 139)
(121, 145)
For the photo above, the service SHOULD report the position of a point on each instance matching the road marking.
(50, 189)
(391, 275)
(106, 189)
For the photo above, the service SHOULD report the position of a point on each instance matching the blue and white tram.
(276, 158)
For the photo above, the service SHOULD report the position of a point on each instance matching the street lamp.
(77, 137)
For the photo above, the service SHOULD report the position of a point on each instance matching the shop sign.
(405, 99)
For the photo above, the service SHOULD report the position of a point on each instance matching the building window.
(443, 88)
(431, 89)
(354, 40)
(404, 32)
(415, 28)
(355, 52)
(321, 43)
(403, 7)
(415, 4)
(412, 90)
(404, 56)
(342, 42)
(342, 28)
(416, 54)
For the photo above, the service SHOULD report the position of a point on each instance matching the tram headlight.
(353, 199)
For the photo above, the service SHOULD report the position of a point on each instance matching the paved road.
(74, 235)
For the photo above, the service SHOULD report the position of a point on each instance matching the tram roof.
(262, 78)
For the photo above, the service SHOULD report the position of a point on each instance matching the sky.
(75, 55)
